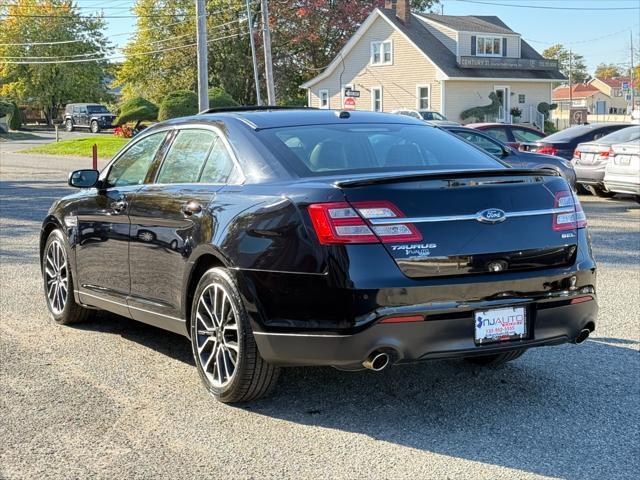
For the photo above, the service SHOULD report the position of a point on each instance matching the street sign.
(349, 103)
(625, 85)
(351, 93)
(578, 116)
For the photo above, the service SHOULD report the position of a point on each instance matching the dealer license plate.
(500, 324)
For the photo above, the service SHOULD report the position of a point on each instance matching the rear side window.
(320, 149)
(132, 166)
(497, 133)
(219, 167)
(186, 156)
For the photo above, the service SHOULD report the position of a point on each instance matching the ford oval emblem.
(492, 215)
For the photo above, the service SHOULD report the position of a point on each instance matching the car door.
(82, 117)
(169, 217)
(102, 215)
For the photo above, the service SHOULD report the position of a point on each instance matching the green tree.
(15, 117)
(137, 110)
(178, 104)
(48, 86)
(566, 58)
(219, 98)
(607, 70)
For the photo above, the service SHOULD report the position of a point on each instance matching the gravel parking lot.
(120, 399)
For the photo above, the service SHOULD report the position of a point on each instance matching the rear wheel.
(581, 190)
(495, 359)
(600, 191)
(223, 345)
(68, 125)
(58, 283)
(95, 128)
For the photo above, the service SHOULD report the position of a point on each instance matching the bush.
(15, 117)
(549, 127)
(218, 98)
(137, 110)
(5, 108)
(178, 104)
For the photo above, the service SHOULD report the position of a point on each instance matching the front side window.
(324, 98)
(381, 53)
(364, 148)
(132, 166)
(186, 156)
(376, 99)
(489, 46)
(423, 98)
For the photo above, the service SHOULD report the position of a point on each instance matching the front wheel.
(600, 192)
(223, 345)
(495, 359)
(95, 128)
(58, 283)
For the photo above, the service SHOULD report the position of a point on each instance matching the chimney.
(390, 4)
(403, 11)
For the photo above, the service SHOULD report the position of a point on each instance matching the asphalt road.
(119, 399)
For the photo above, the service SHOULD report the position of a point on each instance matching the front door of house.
(503, 98)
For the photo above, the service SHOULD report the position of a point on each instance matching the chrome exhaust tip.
(377, 361)
(582, 336)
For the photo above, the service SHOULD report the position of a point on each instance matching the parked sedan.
(513, 157)
(431, 116)
(512, 135)
(314, 237)
(564, 142)
(622, 174)
(591, 158)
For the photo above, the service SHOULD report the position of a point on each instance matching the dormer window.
(382, 53)
(489, 46)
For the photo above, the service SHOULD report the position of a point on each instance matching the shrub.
(218, 98)
(549, 127)
(178, 104)
(15, 117)
(137, 110)
(5, 108)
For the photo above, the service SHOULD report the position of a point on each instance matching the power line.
(584, 41)
(545, 7)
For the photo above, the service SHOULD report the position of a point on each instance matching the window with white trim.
(376, 99)
(489, 46)
(422, 95)
(323, 95)
(381, 53)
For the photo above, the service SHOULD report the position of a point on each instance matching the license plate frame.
(623, 160)
(502, 324)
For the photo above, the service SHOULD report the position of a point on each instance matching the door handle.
(191, 208)
(119, 206)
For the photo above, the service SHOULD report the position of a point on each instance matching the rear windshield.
(322, 149)
(97, 109)
(629, 134)
(568, 133)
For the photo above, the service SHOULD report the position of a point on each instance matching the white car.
(622, 174)
(428, 116)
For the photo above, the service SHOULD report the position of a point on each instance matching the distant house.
(582, 95)
(614, 88)
(398, 59)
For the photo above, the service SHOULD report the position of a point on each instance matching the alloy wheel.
(57, 277)
(217, 340)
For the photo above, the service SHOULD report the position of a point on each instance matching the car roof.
(262, 119)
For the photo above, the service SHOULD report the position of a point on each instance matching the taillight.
(574, 217)
(341, 222)
(547, 150)
(576, 153)
(606, 153)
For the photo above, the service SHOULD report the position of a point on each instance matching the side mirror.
(506, 151)
(83, 178)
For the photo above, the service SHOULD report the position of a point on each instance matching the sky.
(600, 35)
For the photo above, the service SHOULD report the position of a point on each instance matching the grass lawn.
(108, 146)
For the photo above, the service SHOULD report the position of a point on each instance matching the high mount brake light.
(572, 219)
(341, 222)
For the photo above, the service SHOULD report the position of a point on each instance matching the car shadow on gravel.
(567, 411)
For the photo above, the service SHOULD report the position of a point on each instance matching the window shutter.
(504, 47)
(473, 44)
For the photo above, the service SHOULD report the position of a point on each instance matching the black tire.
(94, 127)
(581, 189)
(496, 359)
(600, 192)
(72, 311)
(68, 125)
(252, 377)
(637, 198)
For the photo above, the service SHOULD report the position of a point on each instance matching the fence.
(561, 118)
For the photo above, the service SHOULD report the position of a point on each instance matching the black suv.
(87, 115)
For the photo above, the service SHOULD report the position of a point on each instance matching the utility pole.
(570, 79)
(268, 65)
(203, 70)
(631, 78)
(253, 54)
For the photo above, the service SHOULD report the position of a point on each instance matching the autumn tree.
(51, 76)
(571, 64)
(607, 70)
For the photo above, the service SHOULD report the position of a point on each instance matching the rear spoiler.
(440, 175)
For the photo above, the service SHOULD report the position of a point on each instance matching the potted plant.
(516, 113)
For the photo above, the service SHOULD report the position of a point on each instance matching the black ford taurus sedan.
(313, 237)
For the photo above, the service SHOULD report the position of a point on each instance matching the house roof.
(614, 82)
(443, 58)
(579, 90)
(467, 23)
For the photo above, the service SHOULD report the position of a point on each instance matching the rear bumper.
(590, 175)
(621, 184)
(549, 323)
